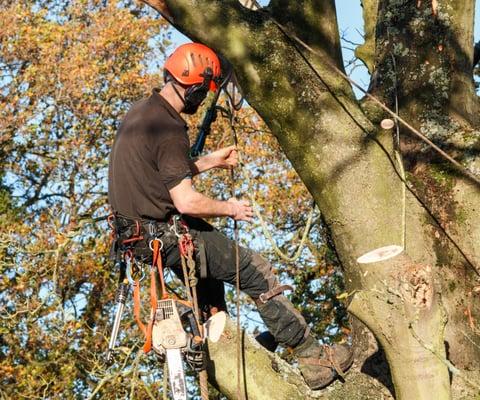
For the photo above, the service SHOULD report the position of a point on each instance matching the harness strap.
(265, 297)
(136, 307)
(156, 264)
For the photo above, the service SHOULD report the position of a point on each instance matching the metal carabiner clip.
(133, 270)
(150, 244)
(151, 229)
(174, 226)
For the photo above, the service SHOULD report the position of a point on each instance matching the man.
(150, 179)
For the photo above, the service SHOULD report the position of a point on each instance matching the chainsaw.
(175, 335)
(171, 340)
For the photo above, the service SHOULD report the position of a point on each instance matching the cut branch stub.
(215, 326)
(380, 254)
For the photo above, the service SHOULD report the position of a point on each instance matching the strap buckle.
(262, 298)
(265, 297)
(155, 239)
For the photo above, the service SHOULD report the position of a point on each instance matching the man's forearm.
(201, 164)
(198, 205)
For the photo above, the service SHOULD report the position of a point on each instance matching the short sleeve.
(172, 158)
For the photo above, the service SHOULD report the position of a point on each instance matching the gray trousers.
(285, 323)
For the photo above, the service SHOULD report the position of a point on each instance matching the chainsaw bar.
(169, 337)
(176, 374)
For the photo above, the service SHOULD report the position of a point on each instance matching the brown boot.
(321, 365)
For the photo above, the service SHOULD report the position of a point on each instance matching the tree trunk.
(348, 164)
(429, 59)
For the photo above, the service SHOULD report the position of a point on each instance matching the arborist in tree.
(150, 191)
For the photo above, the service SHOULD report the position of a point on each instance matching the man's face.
(193, 97)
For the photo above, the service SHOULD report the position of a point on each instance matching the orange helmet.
(188, 62)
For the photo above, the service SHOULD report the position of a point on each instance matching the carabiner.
(150, 244)
(133, 270)
(174, 227)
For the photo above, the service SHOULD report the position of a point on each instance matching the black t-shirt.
(149, 157)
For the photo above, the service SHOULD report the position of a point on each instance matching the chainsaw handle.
(186, 312)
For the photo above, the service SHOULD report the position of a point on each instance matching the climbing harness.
(173, 329)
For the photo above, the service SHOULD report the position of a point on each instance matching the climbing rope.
(231, 116)
(187, 256)
(398, 157)
(165, 381)
(263, 224)
(257, 209)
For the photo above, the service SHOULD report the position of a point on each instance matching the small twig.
(147, 390)
(470, 340)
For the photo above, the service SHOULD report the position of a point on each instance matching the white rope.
(264, 226)
(399, 159)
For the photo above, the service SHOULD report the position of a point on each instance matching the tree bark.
(428, 59)
(347, 162)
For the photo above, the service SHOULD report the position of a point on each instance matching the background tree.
(69, 72)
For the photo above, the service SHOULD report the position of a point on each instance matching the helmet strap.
(168, 78)
(195, 94)
(174, 86)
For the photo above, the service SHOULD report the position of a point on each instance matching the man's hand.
(224, 158)
(241, 210)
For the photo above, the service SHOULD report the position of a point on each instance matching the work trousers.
(285, 323)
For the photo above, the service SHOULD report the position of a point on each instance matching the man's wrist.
(201, 164)
(209, 161)
(231, 209)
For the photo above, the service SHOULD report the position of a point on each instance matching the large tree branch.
(366, 52)
(313, 21)
(265, 376)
